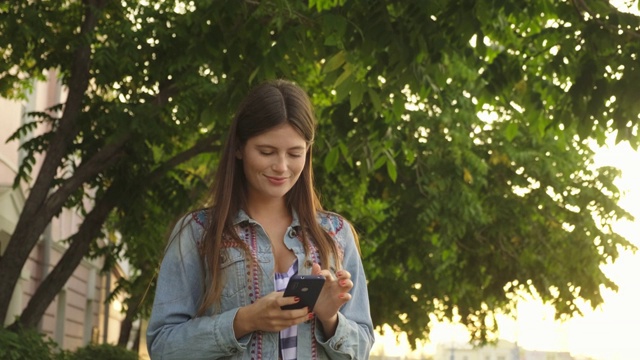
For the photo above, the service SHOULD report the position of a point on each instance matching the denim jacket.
(176, 332)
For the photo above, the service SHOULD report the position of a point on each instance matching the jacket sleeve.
(354, 335)
(174, 331)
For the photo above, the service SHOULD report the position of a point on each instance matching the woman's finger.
(345, 284)
(343, 274)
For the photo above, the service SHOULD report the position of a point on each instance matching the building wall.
(9, 122)
(76, 316)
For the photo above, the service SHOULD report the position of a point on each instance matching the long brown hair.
(268, 105)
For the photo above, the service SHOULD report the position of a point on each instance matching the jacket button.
(308, 264)
(293, 233)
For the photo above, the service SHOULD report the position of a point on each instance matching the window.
(61, 317)
(89, 309)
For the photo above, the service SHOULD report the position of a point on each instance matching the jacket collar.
(243, 217)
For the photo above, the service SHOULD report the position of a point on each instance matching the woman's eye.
(295, 155)
(266, 152)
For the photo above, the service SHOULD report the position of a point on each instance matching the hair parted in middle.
(268, 105)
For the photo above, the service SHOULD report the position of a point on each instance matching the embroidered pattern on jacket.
(199, 217)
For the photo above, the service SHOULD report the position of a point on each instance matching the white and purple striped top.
(288, 336)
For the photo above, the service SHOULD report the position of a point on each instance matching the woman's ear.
(239, 154)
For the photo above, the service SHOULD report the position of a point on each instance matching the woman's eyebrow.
(275, 147)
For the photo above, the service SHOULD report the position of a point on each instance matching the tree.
(137, 226)
(457, 213)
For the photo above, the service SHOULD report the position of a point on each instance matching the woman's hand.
(265, 314)
(335, 293)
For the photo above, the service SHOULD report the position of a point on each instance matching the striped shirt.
(288, 336)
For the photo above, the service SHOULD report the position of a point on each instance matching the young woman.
(221, 282)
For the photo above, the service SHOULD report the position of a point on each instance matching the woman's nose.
(280, 165)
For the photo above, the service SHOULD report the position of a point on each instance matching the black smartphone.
(306, 287)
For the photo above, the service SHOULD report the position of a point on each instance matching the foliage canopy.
(453, 133)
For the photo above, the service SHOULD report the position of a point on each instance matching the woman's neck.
(258, 209)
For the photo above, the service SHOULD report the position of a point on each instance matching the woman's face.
(273, 162)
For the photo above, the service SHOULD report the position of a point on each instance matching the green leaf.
(331, 160)
(375, 99)
(335, 62)
(511, 131)
(392, 171)
(346, 74)
(357, 93)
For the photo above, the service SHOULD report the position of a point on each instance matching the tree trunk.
(79, 248)
(17, 256)
(125, 328)
(31, 223)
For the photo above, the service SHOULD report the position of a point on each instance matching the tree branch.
(103, 159)
(66, 129)
(203, 145)
(583, 8)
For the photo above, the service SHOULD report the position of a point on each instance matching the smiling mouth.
(276, 179)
